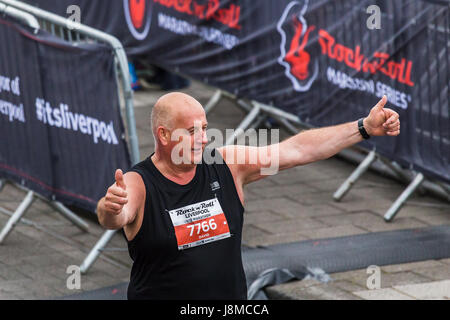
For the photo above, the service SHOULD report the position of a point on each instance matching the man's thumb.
(382, 102)
(119, 179)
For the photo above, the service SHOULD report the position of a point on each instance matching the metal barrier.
(73, 32)
(27, 18)
(432, 103)
(15, 216)
(76, 32)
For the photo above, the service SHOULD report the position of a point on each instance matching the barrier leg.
(445, 188)
(287, 125)
(96, 250)
(398, 170)
(69, 215)
(59, 207)
(244, 124)
(19, 213)
(403, 174)
(244, 105)
(213, 101)
(2, 184)
(415, 183)
(258, 121)
(272, 111)
(356, 174)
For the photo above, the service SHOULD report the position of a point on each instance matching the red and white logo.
(300, 67)
(138, 17)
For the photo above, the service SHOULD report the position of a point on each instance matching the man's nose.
(200, 137)
(204, 137)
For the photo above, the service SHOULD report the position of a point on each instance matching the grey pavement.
(293, 205)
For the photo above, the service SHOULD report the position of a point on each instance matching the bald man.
(183, 217)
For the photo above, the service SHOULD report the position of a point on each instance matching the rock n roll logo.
(138, 17)
(300, 66)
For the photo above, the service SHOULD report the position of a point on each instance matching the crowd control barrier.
(60, 111)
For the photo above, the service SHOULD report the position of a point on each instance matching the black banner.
(61, 132)
(327, 61)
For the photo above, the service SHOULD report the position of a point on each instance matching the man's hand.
(382, 121)
(122, 202)
(116, 196)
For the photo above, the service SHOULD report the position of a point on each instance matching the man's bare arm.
(308, 146)
(122, 201)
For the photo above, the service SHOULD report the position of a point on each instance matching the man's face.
(189, 138)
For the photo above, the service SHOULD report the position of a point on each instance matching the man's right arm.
(122, 201)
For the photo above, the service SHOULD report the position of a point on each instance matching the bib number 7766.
(199, 223)
(205, 226)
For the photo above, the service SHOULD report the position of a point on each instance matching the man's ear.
(163, 135)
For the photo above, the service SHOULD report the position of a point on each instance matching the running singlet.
(189, 244)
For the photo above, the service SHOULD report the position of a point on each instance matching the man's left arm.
(311, 145)
(322, 143)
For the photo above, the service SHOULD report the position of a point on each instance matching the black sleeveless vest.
(166, 265)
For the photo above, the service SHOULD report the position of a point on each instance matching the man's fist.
(382, 121)
(116, 196)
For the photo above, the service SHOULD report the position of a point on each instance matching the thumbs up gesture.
(382, 121)
(116, 196)
(119, 179)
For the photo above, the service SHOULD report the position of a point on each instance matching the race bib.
(199, 223)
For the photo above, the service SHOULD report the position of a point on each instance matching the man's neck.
(181, 174)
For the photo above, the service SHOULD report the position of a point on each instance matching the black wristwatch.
(362, 130)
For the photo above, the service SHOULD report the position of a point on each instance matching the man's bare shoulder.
(133, 176)
(134, 182)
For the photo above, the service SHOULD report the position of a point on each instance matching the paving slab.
(438, 290)
(435, 272)
(317, 291)
(413, 266)
(383, 294)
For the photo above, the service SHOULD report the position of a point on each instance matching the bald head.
(172, 107)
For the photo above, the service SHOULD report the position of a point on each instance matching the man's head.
(179, 127)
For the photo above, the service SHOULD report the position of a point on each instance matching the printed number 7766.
(204, 226)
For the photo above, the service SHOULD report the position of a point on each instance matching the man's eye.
(196, 130)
